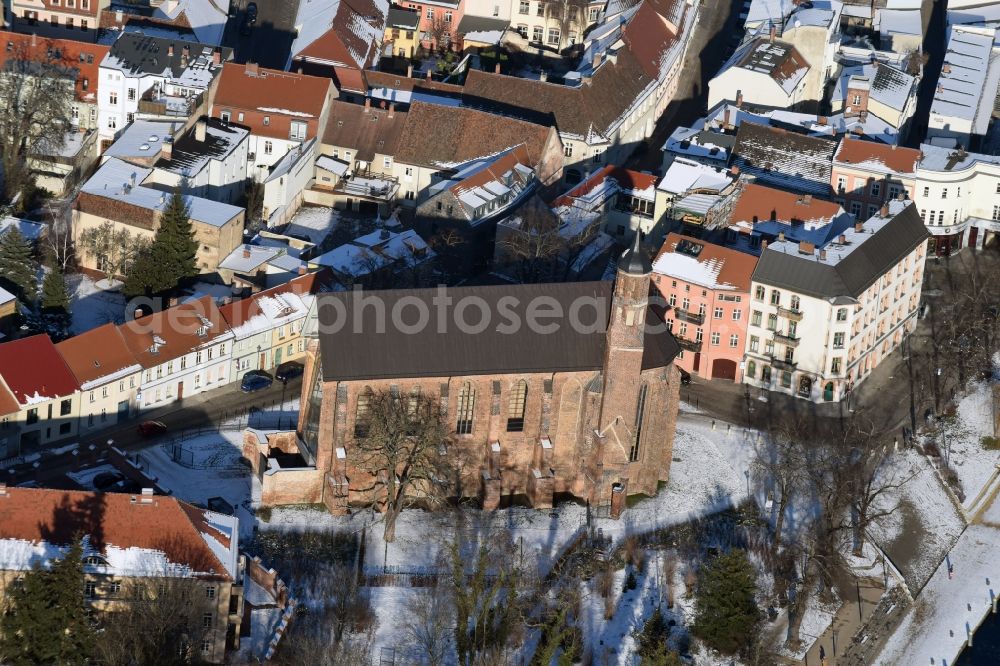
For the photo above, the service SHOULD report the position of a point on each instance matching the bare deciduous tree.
(36, 95)
(535, 245)
(114, 248)
(430, 625)
(779, 465)
(59, 239)
(401, 442)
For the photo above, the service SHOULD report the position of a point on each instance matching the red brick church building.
(587, 411)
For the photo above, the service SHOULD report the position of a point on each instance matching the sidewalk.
(846, 622)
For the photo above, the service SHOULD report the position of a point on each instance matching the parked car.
(152, 428)
(685, 376)
(107, 480)
(255, 380)
(288, 370)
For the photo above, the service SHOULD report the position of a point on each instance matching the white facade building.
(822, 318)
(967, 87)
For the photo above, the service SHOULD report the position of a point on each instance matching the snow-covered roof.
(30, 230)
(937, 158)
(768, 11)
(114, 181)
(899, 22)
(248, 258)
(332, 165)
(684, 175)
(206, 18)
(375, 251)
(272, 311)
(887, 85)
(969, 77)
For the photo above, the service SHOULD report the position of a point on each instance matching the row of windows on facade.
(465, 413)
(785, 378)
(929, 216)
(296, 132)
(874, 187)
(524, 8)
(699, 334)
(71, 4)
(32, 16)
(717, 312)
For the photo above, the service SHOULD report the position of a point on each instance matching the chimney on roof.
(940, 88)
(823, 120)
(763, 245)
(170, 51)
(859, 227)
(167, 148)
(3, 489)
(428, 74)
(368, 104)
(392, 109)
(734, 171)
(773, 34)
(496, 68)
(884, 210)
(147, 496)
(246, 251)
(805, 247)
(543, 76)
(409, 71)
(946, 68)
(781, 236)
(739, 98)
(34, 40)
(217, 56)
(842, 239)
(805, 199)
(822, 255)
(302, 269)
(200, 130)
(251, 69)
(727, 118)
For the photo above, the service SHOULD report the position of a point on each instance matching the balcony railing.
(688, 316)
(782, 364)
(788, 313)
(785, 339)
(689, 345)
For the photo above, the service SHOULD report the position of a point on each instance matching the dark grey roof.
(363, 351)
(471, 23)
(785, 159)
(136, 52)
(635, 260)
(853, 274)
(403, 18)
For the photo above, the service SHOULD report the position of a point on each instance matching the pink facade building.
(707, 288)
(439, 19)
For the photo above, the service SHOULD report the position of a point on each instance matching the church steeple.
(634, 260)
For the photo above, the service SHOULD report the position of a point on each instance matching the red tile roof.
(113, 519)
(84, 57)
(856, 152)
(651, 32)
(97, 353)
(734, 267)
(350, 79)
(177, 327)
(281, 96)
(33, 369)
(766, 203)
(241, 311)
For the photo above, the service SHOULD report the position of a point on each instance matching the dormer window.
(157, 343)
(94, 561)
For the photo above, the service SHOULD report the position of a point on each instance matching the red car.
(151, 428)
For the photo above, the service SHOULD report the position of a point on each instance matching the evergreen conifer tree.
(18, 269)
(45, 619)
(55, 304)
(726, 611)
(174, 243)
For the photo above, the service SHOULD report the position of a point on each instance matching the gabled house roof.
(759, 203)
(785, 158)
(779, 61)
(163, 336)
(83, 59)
(486, 186)
(98, 356)
(271, 307)
(442, 137)
(282, 96)
(706, 264)
(367, 131)
(134, 535)
(598, 185)
(877, 156)
(340, 32)
(34, 371)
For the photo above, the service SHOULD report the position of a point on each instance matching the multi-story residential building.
(866, 174)
(135, 548)
(877, 92)
(39, 396)
(822, 317)
(402, 32)
(183, 351)
(80, 59)
(958, 196)
(624, 199)
(962, 109)
(707, 287)
(208, 159)
(266, 327)
(765, 72)
(108, 374)
(814, 31)
(612, 101)
(116, 193)
(439, 19)
(555, 25)
(68, 19)
(280, 109)
(156, 77)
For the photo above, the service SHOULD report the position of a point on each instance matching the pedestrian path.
(852, 614)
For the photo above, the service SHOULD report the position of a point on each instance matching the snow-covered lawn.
(212, 468)
(934, 628)
(314, 223)
(93, 304)
(925, 525)
(973, 464)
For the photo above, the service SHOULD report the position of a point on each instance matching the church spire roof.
(634, 260)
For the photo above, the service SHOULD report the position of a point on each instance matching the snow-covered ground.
(934, 628)
(973, 464)
(92, 304)
(85, 477)
(314, 223)
(926, 523)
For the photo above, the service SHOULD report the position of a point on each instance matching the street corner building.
(587, 412)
